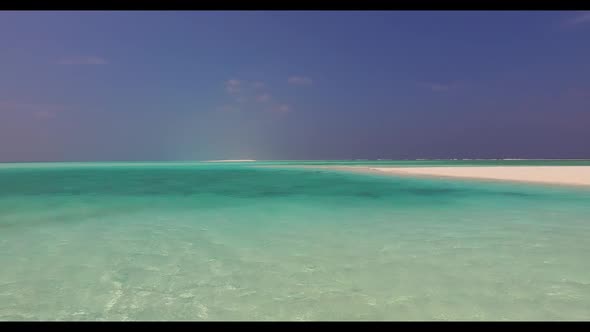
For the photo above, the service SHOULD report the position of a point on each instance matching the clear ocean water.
(202, 241)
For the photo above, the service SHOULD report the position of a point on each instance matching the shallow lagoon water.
(199, 241)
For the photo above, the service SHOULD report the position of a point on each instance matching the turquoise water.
(199, 241)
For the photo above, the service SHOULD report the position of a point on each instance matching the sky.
(190, 85)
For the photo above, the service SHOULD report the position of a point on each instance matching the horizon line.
(265, 160)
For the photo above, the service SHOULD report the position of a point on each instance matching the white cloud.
(583, 17)
(243, 91)
(258, 85)
(263, 97)
(251, 95)
(281, 109)
(233, 86)
(83, 60)
(300, 80)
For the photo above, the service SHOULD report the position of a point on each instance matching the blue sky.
(294, 85)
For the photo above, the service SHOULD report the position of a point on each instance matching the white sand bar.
(230, 161)
(567, 175)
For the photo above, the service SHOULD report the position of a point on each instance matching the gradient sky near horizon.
(85, 86)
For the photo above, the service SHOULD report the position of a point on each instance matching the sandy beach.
(229, 161)
(565, 175)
